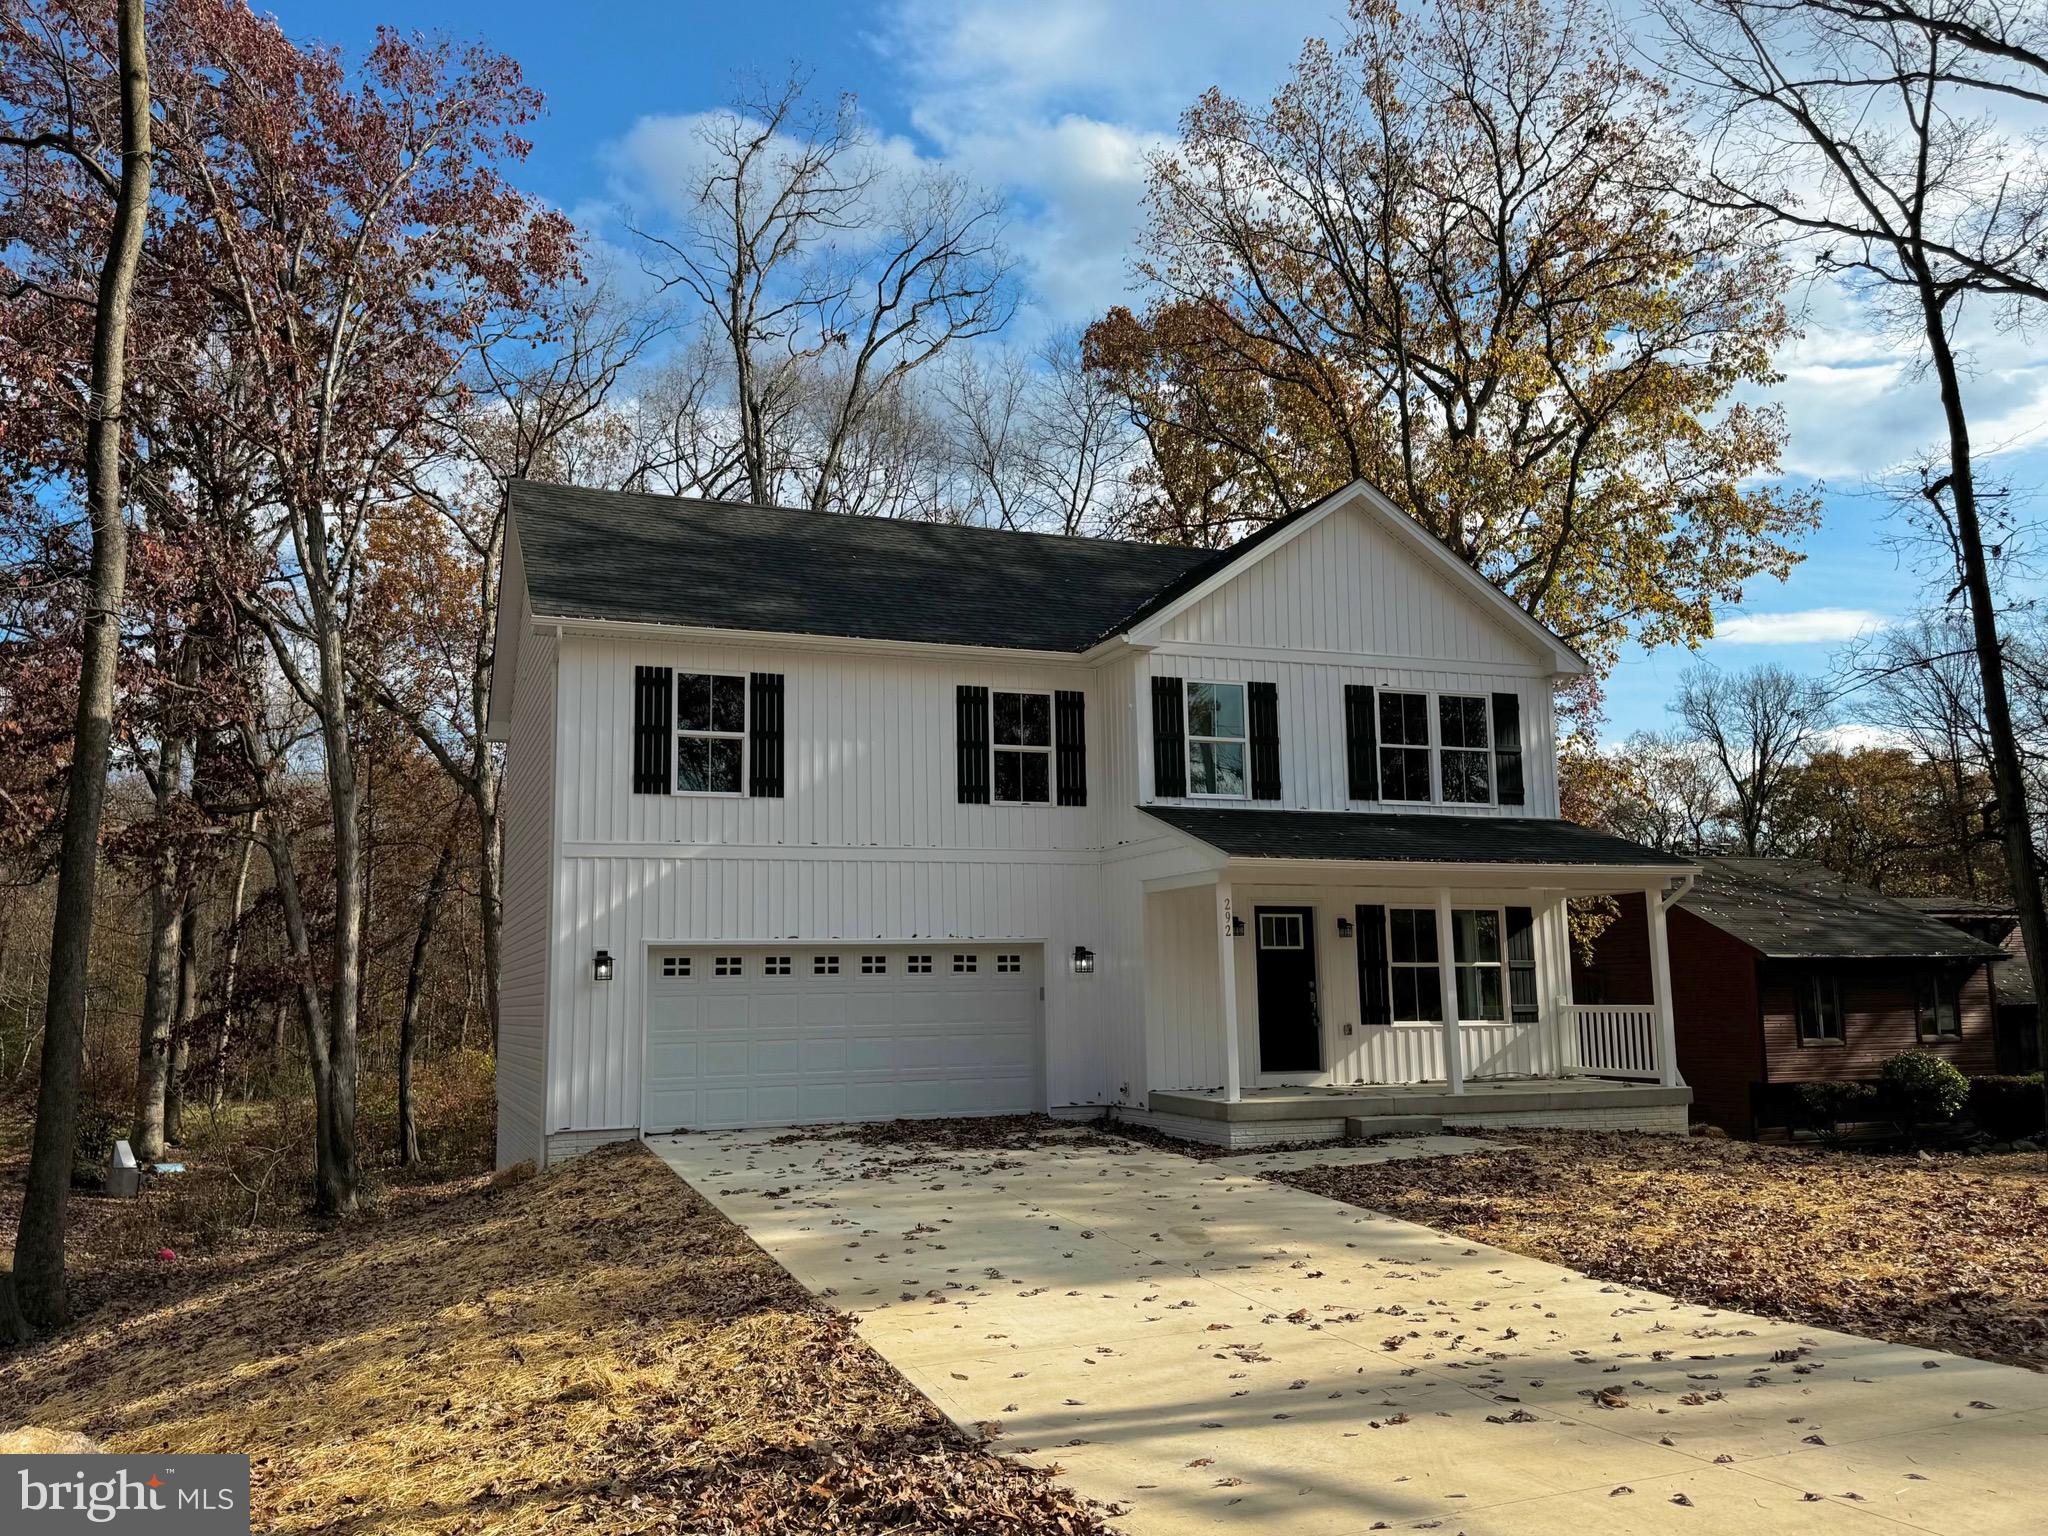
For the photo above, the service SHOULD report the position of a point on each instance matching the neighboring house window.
(711, 733)
(874, 965)
(675, 965)
(1216, 740)
(726, 965)
(1941, 1015)
(1820, 1009)
(1415, 983)
(918, 965)
(1404, 746)
(1022, 748)
(775, 965)
(824, 965)
(1467, 749)
(1476, 952)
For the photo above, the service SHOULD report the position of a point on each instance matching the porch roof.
(1378, 837)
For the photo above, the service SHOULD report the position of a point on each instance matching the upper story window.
(1022, 769)
(1216, 739)
(1404, 746)
(711, 733)
(1466, 749)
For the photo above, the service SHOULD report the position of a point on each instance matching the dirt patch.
(595, 1347)
(1947, 1252)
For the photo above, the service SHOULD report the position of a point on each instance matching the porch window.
(1940, 1016)
(1820, 1009)
(711, 733)
(1022, 748)
(1415, 984)
(1216, 740)
(1404, 746)
(1476, 952)
(1467, 749)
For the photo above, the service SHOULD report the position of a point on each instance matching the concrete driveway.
(1207, 1350)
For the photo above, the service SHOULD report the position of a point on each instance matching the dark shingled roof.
(726, 565)
(1796, 909)
(1378, 837)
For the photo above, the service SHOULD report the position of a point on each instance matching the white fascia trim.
(699, 634)
(1565, 662)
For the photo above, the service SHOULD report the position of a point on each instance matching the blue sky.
(1055, 102)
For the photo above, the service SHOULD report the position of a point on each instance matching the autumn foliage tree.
(1452, 257)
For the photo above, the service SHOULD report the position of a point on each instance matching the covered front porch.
(1327, 972)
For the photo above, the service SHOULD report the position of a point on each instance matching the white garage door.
(756, 1035)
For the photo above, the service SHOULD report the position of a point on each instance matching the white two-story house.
(813, 818)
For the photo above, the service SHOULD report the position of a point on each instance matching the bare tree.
(1868, 129)
(38, 1276)
(1757, 726)
(829, 274)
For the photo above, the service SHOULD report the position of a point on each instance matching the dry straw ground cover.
(1947, 1252)
(594, 1349)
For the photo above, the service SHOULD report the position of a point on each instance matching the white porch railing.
(1614, 1040)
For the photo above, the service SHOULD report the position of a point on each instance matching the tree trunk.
(415, 982)
(181, 1020)
(224, 1030)
(39, 1242)
(2007, 778)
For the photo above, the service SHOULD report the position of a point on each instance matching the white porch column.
(1660, 989)
(1447, 970)
(1226, 982)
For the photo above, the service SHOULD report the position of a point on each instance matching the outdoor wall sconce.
(601, 968)
(1343, 927)
(1084, 960)
(1237, 927)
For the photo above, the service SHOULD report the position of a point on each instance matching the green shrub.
(1920, 1088)
(2007, 1107)
(1825, 1106)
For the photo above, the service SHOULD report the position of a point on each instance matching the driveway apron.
(1205, 1350)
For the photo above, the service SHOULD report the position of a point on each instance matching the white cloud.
(1860, 738)
(1806, 626)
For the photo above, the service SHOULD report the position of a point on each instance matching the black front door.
(1290, 1028)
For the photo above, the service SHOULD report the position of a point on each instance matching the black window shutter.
(764, 735)
(973, 712)
(1262, 709)
(1373, 1004)
(654, 703)
(1523, 1006)
(1507, 749)
(1361, 742)
(1070, 731)
(1169, 739)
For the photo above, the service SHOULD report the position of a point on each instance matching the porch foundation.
(1275, 1116)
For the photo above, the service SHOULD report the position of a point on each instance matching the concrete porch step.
(1392, 1125)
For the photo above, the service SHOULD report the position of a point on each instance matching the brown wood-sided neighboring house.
(2012, 984)
(1784, 972)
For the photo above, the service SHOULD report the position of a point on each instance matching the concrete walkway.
(1209, 1351)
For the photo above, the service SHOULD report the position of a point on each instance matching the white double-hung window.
(1466, 749)
(711, 733)
(1217, 743)
(1022, 745)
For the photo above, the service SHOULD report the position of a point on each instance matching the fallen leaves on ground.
(1947, 1252)
(595, 1348)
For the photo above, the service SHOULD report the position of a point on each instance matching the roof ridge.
(724, 502)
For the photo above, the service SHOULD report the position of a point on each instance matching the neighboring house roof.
(1959, 906)
(1797, 909)
(626, 557)
(1379, 837)
(2016, 980)
(726, 565)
